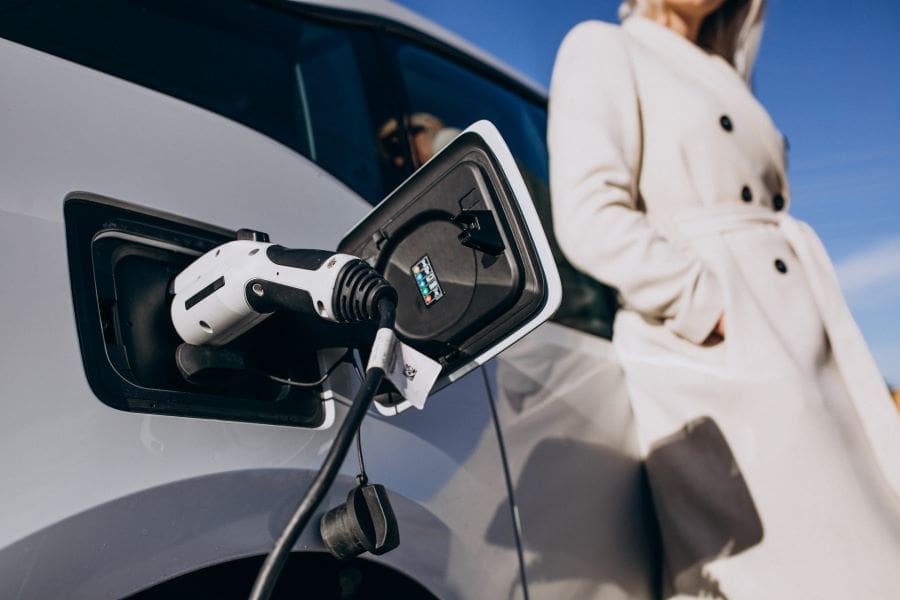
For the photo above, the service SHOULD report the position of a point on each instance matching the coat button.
(746, 194)
(778, 202)
(780, 266)
(725, 122)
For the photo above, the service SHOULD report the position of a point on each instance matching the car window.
(301, 82)
(443, 97)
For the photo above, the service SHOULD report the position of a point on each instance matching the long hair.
(733, 31)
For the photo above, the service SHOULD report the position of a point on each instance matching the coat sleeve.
(594, 140)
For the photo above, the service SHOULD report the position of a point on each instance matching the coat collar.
(689, 55)
(701, 68)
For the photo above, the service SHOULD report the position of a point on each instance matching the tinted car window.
(300, 82)
(443, 98)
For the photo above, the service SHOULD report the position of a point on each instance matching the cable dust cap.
(365, 523)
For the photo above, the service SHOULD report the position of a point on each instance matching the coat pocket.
(643, 339)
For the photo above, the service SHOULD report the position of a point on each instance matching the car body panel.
(102, 503)
(71, 459)
(587, 524)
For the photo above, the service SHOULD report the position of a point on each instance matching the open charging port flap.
(462, 244)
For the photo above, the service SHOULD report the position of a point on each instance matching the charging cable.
(379, 363)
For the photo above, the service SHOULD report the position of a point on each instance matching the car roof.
(400, 15)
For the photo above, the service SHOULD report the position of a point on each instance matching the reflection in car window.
(444, 98)
(425, 135)
(297, 81)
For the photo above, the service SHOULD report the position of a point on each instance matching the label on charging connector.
(383, 353)
(413, 374)
(426, 281)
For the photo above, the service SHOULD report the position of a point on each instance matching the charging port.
(122, 261)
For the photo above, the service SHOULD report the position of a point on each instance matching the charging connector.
(232, 288)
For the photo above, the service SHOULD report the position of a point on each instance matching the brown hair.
(720, 31)
(732, 31)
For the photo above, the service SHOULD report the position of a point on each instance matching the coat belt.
(712, 220)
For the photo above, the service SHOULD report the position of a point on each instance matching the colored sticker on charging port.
(427, 281)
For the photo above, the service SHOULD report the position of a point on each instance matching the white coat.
(774, 455)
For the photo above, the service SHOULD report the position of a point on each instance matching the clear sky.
(829, 73)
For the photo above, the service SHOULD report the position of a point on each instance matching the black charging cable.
(271, 568)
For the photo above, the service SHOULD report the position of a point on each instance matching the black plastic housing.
(459, 212)
(122, 259)
(365, 523)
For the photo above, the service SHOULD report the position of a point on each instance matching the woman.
(770, 440)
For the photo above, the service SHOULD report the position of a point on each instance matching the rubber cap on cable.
(365, 523)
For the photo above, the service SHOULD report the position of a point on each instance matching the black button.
(746, 194)
(780, 266)
(778, 202)
(726, 123)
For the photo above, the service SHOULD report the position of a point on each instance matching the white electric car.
(136, 134)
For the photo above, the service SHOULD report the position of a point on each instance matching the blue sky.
(829, 73)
